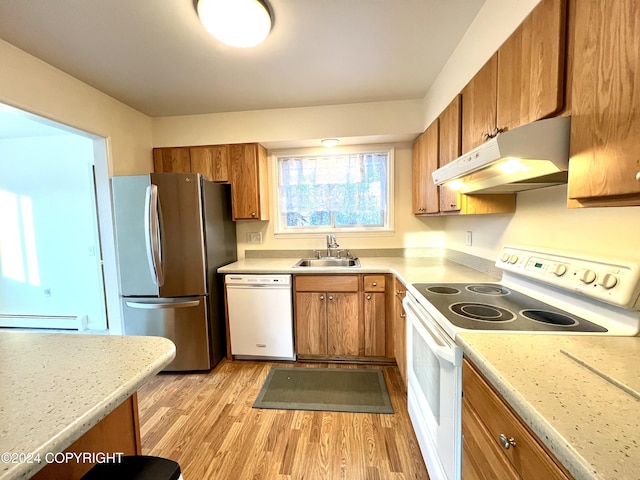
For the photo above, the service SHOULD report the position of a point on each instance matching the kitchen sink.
(328, 262)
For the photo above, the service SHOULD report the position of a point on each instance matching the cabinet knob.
(375, 284)
(452, 205)
(253, 214)
(330, 297)
(368, 297)
(507, 442)
(638, 176)
(321, 297)
(403, 315)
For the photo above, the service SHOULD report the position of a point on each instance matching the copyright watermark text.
(61, 457)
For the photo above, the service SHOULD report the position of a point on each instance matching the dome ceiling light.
(329, 142)
(238, 23)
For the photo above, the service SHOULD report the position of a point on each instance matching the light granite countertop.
(408, 269)
(55, 387)
(580, 395)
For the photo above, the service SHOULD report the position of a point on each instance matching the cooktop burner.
(488, 306)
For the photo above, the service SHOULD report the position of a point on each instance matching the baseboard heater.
(78, 322)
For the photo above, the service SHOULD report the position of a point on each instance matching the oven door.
(434, 371)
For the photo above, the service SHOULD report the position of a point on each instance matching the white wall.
(54, 174)
(542, 220)
(35, 86)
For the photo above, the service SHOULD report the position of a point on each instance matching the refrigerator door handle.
(152, 235)
(160, 306)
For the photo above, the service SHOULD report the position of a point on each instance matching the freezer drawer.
(184, 321)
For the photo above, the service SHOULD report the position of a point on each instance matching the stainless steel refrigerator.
(173, 231)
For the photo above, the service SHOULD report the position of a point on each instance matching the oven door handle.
(441, 347)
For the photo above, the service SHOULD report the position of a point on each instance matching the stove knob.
(608, 281)
(505, 257)
(560, 270)
(588, 276)
(513, 259)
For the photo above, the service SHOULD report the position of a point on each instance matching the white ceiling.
(155, 56)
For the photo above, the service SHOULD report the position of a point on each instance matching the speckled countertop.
(579, 394)
(408, 269)
(55, 387)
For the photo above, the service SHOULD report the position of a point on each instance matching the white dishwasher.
(260, 316)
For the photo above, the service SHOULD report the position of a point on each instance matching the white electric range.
(541, 291)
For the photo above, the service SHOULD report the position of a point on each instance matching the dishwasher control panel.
(272, 280)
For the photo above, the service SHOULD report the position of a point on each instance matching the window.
(338, 191)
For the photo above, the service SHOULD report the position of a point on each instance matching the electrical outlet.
(469, 238)
(254, 237)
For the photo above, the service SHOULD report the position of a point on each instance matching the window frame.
(280, 230)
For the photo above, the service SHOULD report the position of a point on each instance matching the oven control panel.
(612, 281)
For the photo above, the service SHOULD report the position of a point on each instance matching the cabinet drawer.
(374, 283)
(528, 457)
(326, 283)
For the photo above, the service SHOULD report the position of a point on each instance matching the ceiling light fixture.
(238, 23)
(329, 142)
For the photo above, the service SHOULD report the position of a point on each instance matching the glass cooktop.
(491, 306)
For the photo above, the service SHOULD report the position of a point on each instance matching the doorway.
(55, 211)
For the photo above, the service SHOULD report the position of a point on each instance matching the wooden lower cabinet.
(343, 324)
(400, 330)
(342, 317)
(118, 432)
(485, 419)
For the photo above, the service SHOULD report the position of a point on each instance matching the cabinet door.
(249, 182)
(211, 161)
(481, 455)
(343, 318)
(311, 323)
(531, 67)
(604, 169)
(450, 143)
(400, 328)
(479, 106)
(375, 331)
(171, 160)
(425, 161)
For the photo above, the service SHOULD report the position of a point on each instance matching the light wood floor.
(205, 422)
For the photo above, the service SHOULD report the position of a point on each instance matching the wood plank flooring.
(205, 422)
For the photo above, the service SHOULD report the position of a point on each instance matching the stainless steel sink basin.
(328, 262)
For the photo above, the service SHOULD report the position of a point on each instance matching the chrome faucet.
(331, 243)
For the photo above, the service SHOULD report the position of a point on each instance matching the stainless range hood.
(532, 156)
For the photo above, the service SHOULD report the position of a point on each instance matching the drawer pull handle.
(507, 442)
(375, 284)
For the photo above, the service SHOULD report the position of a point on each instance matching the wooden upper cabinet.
(479, 106)
(211, 161)
(171, 160)
(249, 182)
(604, 169)
(531, 80)
(425, 161)
(450, 149)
